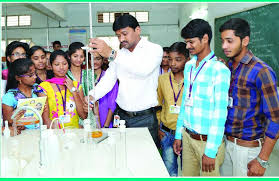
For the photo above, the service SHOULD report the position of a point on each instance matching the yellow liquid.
(96, 134)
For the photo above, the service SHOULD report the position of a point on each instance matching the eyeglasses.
(28, 75)
(19, 55)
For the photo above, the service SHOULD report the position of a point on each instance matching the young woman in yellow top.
(64, 101)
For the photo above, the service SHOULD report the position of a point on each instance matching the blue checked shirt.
(208, 114)
(255, 111)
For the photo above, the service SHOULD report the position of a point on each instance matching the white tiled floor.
(272, 171)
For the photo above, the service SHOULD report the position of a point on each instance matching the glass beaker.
(96, 129)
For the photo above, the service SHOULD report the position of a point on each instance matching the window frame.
(18, 20)
(122, 12)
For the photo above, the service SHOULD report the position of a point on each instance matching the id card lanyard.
(63, 99)
(175, 97)
(192, 82)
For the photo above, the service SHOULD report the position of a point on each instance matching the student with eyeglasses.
(14, 50)
(20, 85)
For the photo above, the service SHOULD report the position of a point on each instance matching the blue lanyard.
(175, 98)
(191, 83)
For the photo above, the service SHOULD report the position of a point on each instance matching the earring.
(83, 63)
(19, 82)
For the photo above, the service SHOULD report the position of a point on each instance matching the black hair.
(33, 49)
(197, 28)
(240, 26)
(179, 47)
(56, 43)
(56, 53)
(47, 51)
(74, 47)
(166, 49)
(124, 21)
(19, 67)
(12, 46)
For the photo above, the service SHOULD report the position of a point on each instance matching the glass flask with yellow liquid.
(96, 131)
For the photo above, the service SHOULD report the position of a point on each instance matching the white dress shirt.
(138, 74)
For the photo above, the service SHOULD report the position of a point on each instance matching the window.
(24, 20)
(113, 41)
(109, 17)
(142, 16)
(12, 21)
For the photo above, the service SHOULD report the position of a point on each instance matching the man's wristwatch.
(73, 89)
(263, 163)
(112, 55)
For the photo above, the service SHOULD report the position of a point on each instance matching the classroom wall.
(215, 10)
(166, 19)
(162, 27)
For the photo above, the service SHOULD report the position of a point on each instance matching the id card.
(174, 109)
(64, 119)
(230, 102)
(116, 121)
(189, 102)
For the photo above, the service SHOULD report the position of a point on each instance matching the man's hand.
(255, 168)
(208, 164)
(161, 134)
(177, 147)
(85, 105)
(100, 47)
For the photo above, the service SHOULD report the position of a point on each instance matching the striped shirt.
(208, 114)
(255, 110)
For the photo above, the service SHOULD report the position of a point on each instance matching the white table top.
(21, 156)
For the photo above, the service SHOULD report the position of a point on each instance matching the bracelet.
(112, 55)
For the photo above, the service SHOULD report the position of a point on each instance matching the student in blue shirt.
(20, 85)
(201, 121)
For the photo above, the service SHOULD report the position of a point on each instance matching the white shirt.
(138, 74)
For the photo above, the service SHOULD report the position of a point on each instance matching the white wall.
(166, 19)
(162, 27)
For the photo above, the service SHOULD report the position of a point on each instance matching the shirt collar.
(245, 60)
(195, 57)
(173, 80)
(139, 45)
